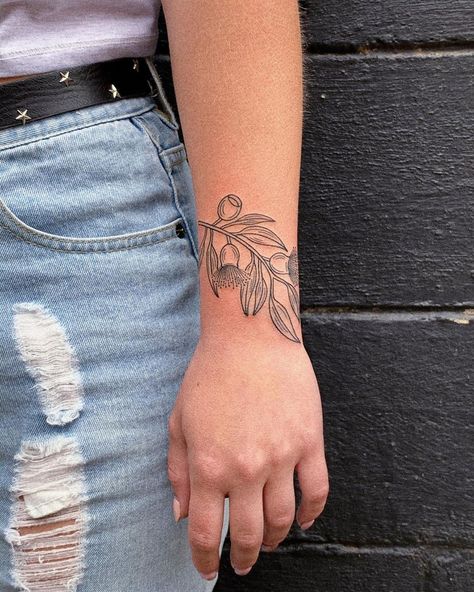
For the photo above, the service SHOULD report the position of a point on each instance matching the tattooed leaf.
(292, 295)
(261, 291)
(211, 263)
(281, 319)
(202, 247)
(293, 298)
(261, 236)
(254, 293)
(251, 219)
(247, 289)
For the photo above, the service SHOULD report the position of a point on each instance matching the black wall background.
(386, 247)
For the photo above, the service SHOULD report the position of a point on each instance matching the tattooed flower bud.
(284, 264)
(279, 263)
(293, 267)
(229, 274)
(229, 255)
(229, 207)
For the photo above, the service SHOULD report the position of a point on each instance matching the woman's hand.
(247, 415)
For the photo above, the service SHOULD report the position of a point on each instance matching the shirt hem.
(79, 53)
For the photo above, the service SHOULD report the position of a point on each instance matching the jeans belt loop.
(160, 93)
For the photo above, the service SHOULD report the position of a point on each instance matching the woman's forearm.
(248, 413)
(237, 70)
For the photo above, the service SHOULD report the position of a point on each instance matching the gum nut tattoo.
(234, 240)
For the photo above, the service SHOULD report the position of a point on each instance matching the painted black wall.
(386, 244)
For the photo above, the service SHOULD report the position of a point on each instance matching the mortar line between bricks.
(466, 309)
(305, 545)
(372, 49)
(402, 48)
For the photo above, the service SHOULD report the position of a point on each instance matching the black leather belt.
(39, 96)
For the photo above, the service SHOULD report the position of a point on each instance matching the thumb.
(314, 485)
(178, 471)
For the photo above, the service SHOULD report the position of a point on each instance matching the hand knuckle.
(208, 475)
(325, 489)
(246, 541)
(280, 521)
(208, 469)
(309, 442)
(319, 496)
(248, 473)
(282, 454)
(249, 468)
(202, 541)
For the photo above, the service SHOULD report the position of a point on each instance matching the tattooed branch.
(232, 238)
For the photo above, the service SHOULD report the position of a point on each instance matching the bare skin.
(248, 413)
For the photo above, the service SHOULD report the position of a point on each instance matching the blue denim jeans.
(99, 317)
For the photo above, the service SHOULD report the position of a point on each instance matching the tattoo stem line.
(241, 241)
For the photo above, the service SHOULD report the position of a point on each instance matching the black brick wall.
(386, 243)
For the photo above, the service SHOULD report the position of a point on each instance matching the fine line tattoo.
(264, 277)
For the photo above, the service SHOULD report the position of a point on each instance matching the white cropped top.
(42, 35)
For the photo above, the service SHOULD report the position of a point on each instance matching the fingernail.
(306, 525)
(267, 548)
(242, 572)
(209, 576)
(176, 509)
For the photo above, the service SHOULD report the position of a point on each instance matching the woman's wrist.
(226, 323)
(248, 274)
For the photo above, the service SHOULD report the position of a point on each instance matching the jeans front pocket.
(119, 242)
(92, 187)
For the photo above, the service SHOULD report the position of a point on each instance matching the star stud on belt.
(23, 115)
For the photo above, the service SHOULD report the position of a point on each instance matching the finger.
(314, 485)
(278, 508)
(246, 527)
(178, 470)
(206, 511)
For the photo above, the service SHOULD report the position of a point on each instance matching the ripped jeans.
(99, 317)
